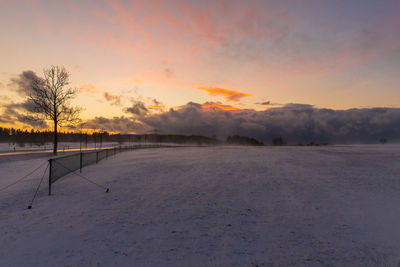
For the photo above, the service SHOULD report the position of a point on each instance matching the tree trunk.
(55, 138)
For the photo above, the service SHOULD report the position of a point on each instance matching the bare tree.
(51, 96)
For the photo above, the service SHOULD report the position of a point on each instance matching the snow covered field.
(210, 206)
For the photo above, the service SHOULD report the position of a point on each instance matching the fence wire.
(64, 165)
(57, 169)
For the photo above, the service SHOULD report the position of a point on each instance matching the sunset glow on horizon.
(133, 59)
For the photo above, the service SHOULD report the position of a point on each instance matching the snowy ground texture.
(210, 206)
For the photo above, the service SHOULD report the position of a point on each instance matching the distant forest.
(36, 137)
(39, 138)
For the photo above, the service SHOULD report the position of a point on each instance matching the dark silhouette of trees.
(243, 141)
(36, 137)
(12, 135)
(21, 137)
(51, 97)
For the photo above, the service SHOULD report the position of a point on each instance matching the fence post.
(50, 161)
(106, 153)
(80, 163)
(97, 157)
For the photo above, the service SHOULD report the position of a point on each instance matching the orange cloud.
(87, 89)
(156, 107)
(229, 95)
(213, 105)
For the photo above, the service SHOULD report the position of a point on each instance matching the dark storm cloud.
(297, 123)
(116, 124)
(296, 106)
(24, 82)
(138, 108)
(156, 102)
(13, 112)
(32, 121)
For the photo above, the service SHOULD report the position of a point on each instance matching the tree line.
(36, 137)
(39, 138)
(19, 136)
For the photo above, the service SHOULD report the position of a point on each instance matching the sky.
(137, 60)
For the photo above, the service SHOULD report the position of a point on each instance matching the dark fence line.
(61, 166)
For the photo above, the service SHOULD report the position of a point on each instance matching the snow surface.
(209, 206)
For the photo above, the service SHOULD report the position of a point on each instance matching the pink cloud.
(195, 29)
(195, 33)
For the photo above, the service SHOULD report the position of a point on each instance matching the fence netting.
(101, 155)
(111, 152)
(61, 166)
(89, 158)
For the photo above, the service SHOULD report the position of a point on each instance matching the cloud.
(156, 102)
(265, 103)
(115, 124)
(138, 108)
(229, 95)
(18, 112)
(156, 107)
(219, 105)
(270, 39)
(24, 82)
(113, 99)
(296, 106)
(88, 89)
(296, 123)
(32, 121)
(169, 73)
(172, 29)
(142, 106)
